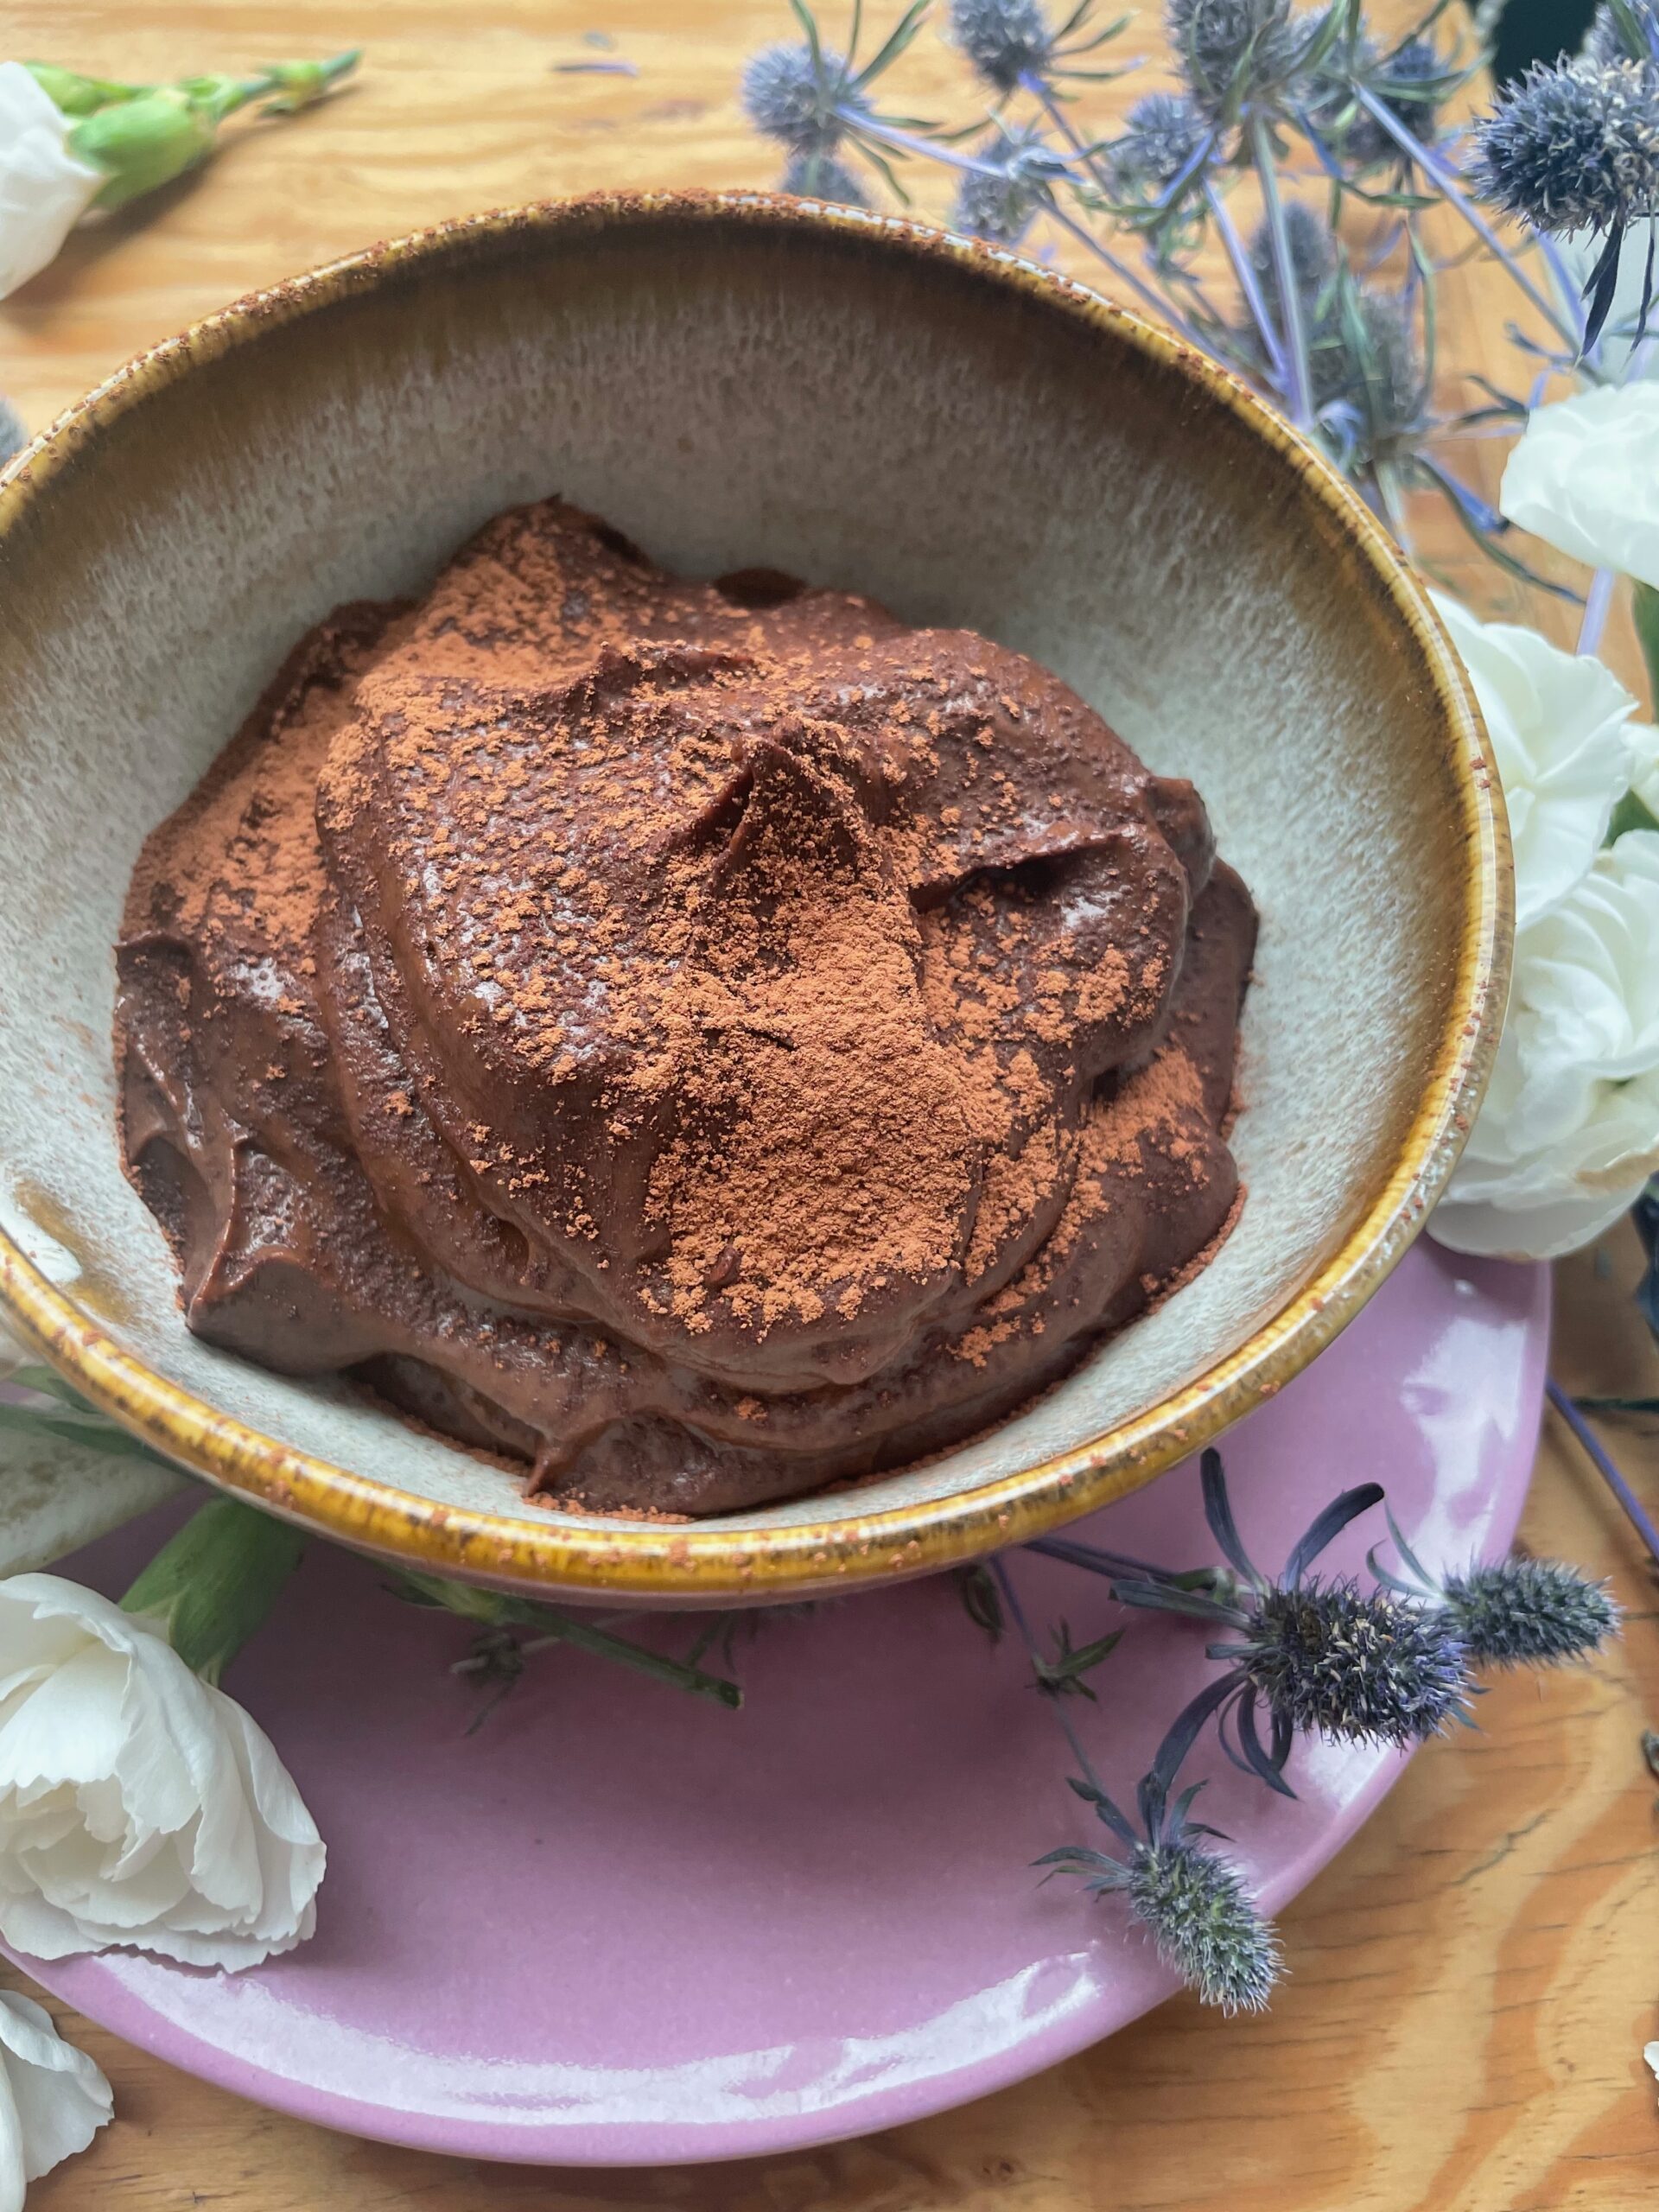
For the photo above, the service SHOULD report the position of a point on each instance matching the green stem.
(1644, 613)
(215, 1582)
(562, 1627)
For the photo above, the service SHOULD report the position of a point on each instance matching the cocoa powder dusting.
(705, 1041)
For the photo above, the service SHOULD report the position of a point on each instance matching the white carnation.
(1585, 477)
(44, 189)
(53, 2098)
(138, 1804)
(1565, 747)
(1568, 1132)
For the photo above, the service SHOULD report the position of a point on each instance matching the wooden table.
(1472, 1980)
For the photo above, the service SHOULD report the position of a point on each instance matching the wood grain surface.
(1472, 1980)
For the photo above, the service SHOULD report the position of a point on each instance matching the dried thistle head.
(1191, 1902)
(1412, 80)
(1233, 53)
(1199, 1915)
(1354, 1666)
(800, 95)
(1511, 1613)
(1005, 39)
(1163, 135)
(1574, 148)
(1529, 1612)
(1001, 200)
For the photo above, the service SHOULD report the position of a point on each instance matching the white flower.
(44, 190)
(1585, 477)
(1650, 2052)
(1564, 744)
(1568, 1132)
(137, 1804)
(53, 2098)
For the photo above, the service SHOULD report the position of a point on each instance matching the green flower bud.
(75, 94)
(143, 142)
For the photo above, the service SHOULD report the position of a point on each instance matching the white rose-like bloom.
(1585, 477)
(1568, 1131)
(1565, 745)
(53, 2098)
(138, 1805)
(44, 189)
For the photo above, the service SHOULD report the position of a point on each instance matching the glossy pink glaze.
(618, 1926)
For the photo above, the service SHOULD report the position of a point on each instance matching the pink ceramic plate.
(620, 1926)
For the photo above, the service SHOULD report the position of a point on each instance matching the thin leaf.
(1218, 1512)
(1330, 1523)
(897, 40)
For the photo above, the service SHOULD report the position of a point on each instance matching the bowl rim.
(664, 1562)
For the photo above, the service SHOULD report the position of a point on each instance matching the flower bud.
(73, 94)
(143, 142)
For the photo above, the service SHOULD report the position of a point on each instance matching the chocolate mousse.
(705, 1041)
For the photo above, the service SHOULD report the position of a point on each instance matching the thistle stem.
(1299, 383)
(1228, 233)
(1017, 1614)
(1440, 174)
(1596, 605)
(560, 1628)
(1605, 1467)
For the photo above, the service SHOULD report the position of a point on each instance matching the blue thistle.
(1190, 1901)
(1005, 39)
(1011, 42)
(1164, 137)
(1576, 147)
(13, 434)
(1513, 1612)
(1001, 198)
(1412, 81)
(1233, 53)
(1316, 1656)
(801, 96)
(1355, 1666)
(1572, 148)
(821, 176)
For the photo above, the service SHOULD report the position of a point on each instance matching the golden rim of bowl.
(664, 1561)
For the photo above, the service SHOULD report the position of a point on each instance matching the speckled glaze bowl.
(738, 381)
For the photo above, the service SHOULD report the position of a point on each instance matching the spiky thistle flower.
(1572, 148)
(13, 434)
(1411, 80)
(1011, 42)
(802, 96)
(814, 100)
(1512, 1612)
(1001, 198)
(1164, 136)
(821, 176)
(1191, 1902)
(1234, 53)
(1354, 1665)
(1576, 147)
(1319, 1657)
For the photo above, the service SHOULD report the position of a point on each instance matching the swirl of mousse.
(707, 1040)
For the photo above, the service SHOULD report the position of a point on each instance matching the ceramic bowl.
(739, 382)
